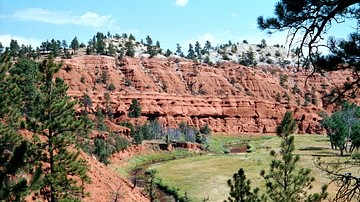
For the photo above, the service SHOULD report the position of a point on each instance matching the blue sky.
(169, 21)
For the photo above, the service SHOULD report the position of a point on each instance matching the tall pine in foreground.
(12, 147)
(54, 124)
(285, 181)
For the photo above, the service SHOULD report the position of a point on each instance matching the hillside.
(231, 98)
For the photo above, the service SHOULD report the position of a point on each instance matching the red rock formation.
(231, 98)
(106, 184)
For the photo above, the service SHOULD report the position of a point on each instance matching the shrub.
(282, 80)
(205, 129)
(82, 79)
(102, 150)
(110, 87)
(269, 61)
(103, 77)
(225, 57)
(278, 97)
(277, 53)
(355, 156)
(128, 82)
(135, 109)
(121, 143)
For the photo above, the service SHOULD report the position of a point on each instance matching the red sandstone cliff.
(231, 98)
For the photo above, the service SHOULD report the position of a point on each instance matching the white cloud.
(181, 3)
(88, 19)
(6, 38)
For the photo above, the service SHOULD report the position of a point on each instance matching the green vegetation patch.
(206, 175)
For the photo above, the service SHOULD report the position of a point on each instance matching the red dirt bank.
(231, 98)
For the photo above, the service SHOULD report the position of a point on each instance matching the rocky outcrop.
(229, 97)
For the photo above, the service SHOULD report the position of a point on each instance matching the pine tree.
(135, 109)
(130, 50)
(191, 52)
(24, 75)
(307, 22)
(197, 49)
(286, 182)
(102, 150)
(149, 46)
(14, 48)
(100, 44)
(240, 189)
(53, 121)
(12, 147)
(179, 51)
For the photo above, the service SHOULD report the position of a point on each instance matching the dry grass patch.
(207, 175)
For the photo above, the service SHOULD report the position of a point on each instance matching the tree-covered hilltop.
(126, 45)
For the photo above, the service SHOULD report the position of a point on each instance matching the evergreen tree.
(100, 44)
(286, 182)
(307, 21)
(197, 49)
(149, 46)
(13, 148)
(135, 109)
(168, 53)
(343, 128)
(111, 49)
(14, 48)
(12, 160)
(53, 120)
(102, 150)
(179, 51)
(64, 45)
(86, 101)
(1, 48)
(207, 47)
(130, 51)
(248, 58)
(25, 75)
(240, 189)
(131, 37)
(158, 48)
(74, 44)
(191, 52)
(99, 119)
(263, 43)
(55, 47)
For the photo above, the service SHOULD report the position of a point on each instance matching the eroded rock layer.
(229, 97)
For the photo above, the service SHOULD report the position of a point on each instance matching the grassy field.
(206, 175)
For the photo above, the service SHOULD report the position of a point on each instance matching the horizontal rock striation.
(231, 98)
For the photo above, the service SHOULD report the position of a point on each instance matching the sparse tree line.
(126, 45)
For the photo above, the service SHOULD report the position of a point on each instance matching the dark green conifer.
(286, 182)
(53, 120)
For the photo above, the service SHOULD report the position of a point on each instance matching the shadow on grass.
(312, 149)
(322, 140)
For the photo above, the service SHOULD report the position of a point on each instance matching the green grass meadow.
(205, 176)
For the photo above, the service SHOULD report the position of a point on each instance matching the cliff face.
(231, 98)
